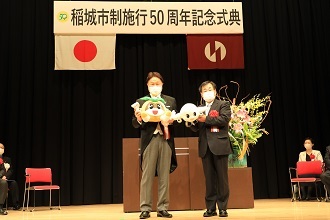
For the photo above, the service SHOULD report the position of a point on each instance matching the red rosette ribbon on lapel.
(312, 156)
(1, 161)
(213, 113)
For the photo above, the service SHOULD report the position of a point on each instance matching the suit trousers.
(3, 191)
(156, 157)
(325, 178)
(13, 192)
(216, 180)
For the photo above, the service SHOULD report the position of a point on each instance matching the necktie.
(208, 106)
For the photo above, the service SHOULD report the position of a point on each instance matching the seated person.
(308, 155)
(325, 176)
(3, 191)
(6, 174)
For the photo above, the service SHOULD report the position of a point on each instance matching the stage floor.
(264, 209)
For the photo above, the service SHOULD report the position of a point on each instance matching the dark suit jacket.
(3, 171)
(218, 142)
(327, 158)
(148, 128)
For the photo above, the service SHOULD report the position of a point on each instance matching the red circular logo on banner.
(85, 51)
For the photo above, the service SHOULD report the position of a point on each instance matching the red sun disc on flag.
(85, 51)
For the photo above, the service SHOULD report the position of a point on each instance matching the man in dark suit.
(7, 174)
(325, 176)
(214, 148)
(3, 183)
(157, 151)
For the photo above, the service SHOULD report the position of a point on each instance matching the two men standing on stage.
(158, 151)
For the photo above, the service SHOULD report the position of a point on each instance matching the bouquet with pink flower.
(245, 124)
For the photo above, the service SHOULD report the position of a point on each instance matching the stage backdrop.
(74, 121)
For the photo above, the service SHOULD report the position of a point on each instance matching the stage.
(264, 209)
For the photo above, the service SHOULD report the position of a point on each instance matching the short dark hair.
(154, 74)
(205, 83)
(309, 138)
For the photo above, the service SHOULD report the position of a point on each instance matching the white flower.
(7, 166)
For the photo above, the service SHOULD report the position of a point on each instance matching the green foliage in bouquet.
(245, 126)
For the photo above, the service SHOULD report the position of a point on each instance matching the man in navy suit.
(214, 148)
(157, 151)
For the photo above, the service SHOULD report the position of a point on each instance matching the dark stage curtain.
(74, 121)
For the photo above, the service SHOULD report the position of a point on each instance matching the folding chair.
(39, 179)
(306, 172)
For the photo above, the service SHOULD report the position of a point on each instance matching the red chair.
(39, 179)
(306, 172)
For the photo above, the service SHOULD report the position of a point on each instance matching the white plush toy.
(176, 116)
(190, 112)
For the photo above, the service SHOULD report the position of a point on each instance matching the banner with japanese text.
(83, 17)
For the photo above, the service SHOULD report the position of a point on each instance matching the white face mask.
(2, 151)
(308, 146)
(208, 96)
(155, 90)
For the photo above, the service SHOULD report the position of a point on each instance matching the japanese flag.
(93, 52)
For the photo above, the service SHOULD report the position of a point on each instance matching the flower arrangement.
(245, 126)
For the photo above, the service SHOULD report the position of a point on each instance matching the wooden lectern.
(187, 183)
